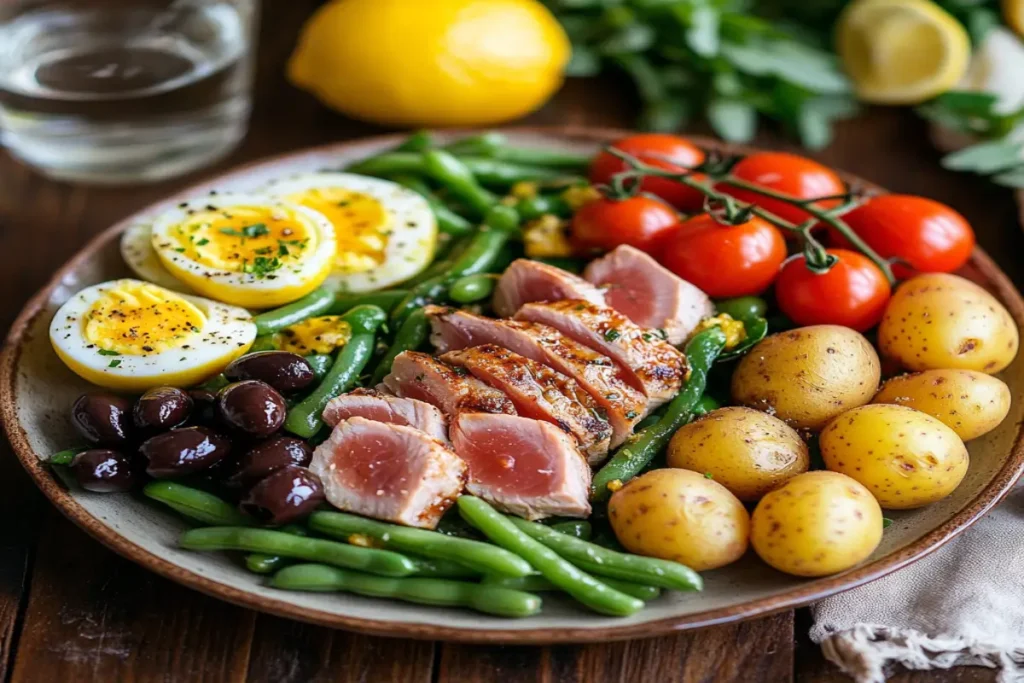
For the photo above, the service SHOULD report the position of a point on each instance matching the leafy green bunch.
(713, 58)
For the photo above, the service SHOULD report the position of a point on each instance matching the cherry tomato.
(930, 236)
(606, 223)
(648, 148)
(724, 260)
(854, 292)
(790, 174)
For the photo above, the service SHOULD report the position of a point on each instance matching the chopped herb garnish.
(195, 329)
(611, 335)
(255, 230)
(114, 364)
(263, 251)
(104, 352)
(282, 249)
(261, 266)
(180, 250)
(646, 336)
(203, 242)
(708, 475)
(886, 522)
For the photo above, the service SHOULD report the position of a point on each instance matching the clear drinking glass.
(118, 91)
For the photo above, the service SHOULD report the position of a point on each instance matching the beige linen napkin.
(963, 605)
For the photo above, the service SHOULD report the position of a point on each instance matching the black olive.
(105, 471)
(204, 408)
(271, 455)
(162, 408)
(103, 419)
(183, 451)
(288, 494)
(252, 407)
(286, 372)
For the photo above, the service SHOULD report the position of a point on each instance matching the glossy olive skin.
(286, 372)
(184, 451)
(288, 494)
(105, 471)
(103, 419)
(204, 406)
(269, 456)
(162, 408)
(251, 407)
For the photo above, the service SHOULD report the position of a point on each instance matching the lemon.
(901, 51)
(436, 63)
(1013, 15)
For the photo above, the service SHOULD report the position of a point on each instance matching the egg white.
(413, 228)
(137, 251)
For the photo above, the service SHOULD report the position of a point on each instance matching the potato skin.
(807, 376)
(906, 458)
(968, 402)
(937, 320)
(815, 524)
(682, 516)
(746, 451)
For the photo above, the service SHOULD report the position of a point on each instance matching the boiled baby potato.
(906, 458)
(815, 524)
(744, 450)
(937, 321)
(807, 376)
(682, 516)
(968, 402)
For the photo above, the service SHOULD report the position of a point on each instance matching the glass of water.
(124, 91)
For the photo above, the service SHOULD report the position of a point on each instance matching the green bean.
(494, 145)
(263, 343)
(419, 141)
(482, 557)
(438, 267)
(535, 583)
(270, 542)
(604, 562)
(472, 288)
(215, 383)
(743, 307)
(64, 457)
(343, 303)
(443, 569)
(304, 418)
(195, 504)
(580, 585)
(532, 208)
(317, 302)
(456, 177)
(447, 220)
(261, 563)
(576, 528)
(492, 172)
(410, 336)
(321, 363)
(634, 455)
(705, 405)
(502, 602)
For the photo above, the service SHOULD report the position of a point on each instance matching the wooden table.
(70, 610)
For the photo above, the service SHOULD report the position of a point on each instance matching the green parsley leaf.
(886, 522)
(105, 352)
(114, 364)
(612, 335)
(203, 242)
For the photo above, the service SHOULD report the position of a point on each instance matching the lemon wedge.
(1013, 15)
(901, 51)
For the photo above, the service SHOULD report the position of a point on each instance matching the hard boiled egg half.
(137, 251)
(248, 250)
(385, 233)
(131, 335)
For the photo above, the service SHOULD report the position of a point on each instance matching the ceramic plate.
(36, 391)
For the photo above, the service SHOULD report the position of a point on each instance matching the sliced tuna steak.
(373, 405)
(522, 466)
(389, 472)
(526, 280)
(539, 392)
(422, 377)
(655, 366)
(599, 376)
(649, 294)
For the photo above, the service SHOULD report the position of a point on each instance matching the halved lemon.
(901, 51)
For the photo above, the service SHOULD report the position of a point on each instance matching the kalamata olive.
(271, 455)
(252, 407)
(162, 408)
(286, 372)
(103, 419)
(204, 406)
(105, 471)
(288, 494)
(184, 450)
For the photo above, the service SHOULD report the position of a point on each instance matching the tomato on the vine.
(724, 260)
(853, 292)
(789, 174)
(668, 152)
(637, 221)
(930, 236)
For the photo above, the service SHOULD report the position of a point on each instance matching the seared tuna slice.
(599, 376)
(539, 392)
(522, 466)
(388, 472)
(374, 405)
(453, 390)
(526, 280)
(655, 367)
(649, 294)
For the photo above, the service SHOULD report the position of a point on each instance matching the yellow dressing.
(314, 335)
(139, 319)
(361, 224)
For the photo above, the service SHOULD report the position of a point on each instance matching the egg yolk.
(249, 239)
(139, 319)
(314, 335)
(361, 225)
